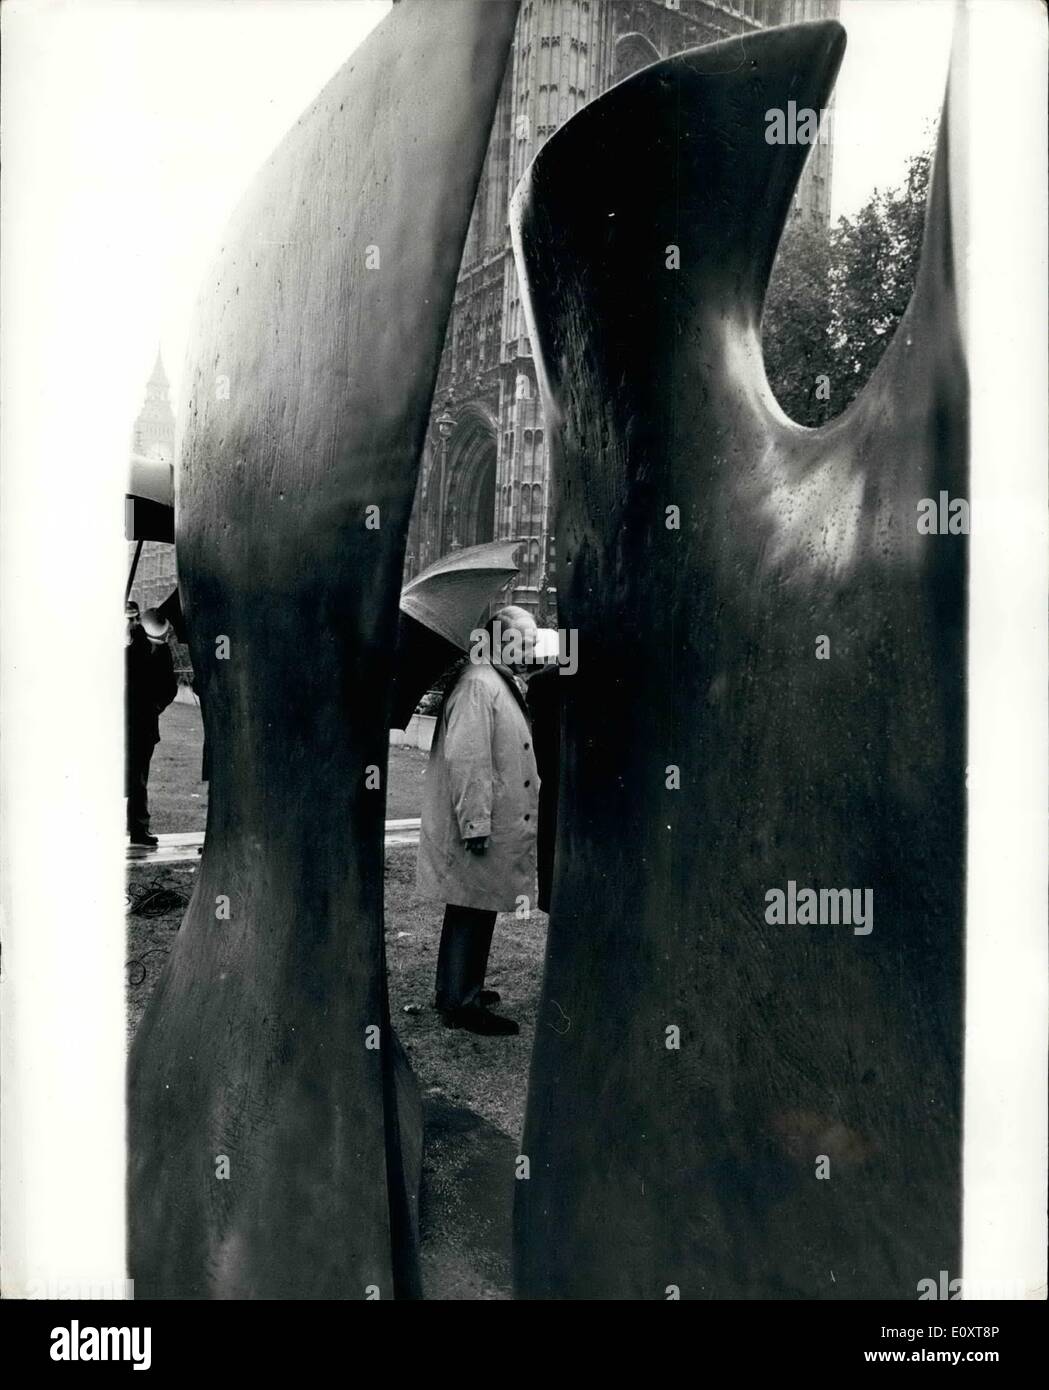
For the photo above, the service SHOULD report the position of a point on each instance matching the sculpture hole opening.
(847, 263)
(837, 295)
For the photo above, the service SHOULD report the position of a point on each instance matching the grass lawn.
(178, 799)
(487, 1075)
(473, 1088)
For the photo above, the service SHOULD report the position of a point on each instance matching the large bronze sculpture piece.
(730, 1097)
(274, 1145)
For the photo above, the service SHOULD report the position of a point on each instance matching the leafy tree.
(796, 329)
(834, 303)
(876, 259)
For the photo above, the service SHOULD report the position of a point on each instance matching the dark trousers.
(138, 760)
(466, 939)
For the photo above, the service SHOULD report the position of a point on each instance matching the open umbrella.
(171, 609)
(149, 506)
(439, 609)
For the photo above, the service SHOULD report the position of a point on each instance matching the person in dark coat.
(150, 686)
(477, 840)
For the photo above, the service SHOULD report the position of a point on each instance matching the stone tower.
(485, 473)
(153, 437)
(154, 433)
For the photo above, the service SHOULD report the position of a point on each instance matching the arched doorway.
(476, 503)
(470, 516)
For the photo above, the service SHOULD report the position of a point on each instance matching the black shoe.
(144, 838)
(486, 998)
(478, 1020)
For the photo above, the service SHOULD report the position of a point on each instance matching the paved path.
(183, 846)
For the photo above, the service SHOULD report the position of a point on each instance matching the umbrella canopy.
(451, 594)
(171, 609)
(439, 609)
(149, 504)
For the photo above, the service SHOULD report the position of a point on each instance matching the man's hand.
(476, 844)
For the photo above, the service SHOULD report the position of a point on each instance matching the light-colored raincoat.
(481, 780)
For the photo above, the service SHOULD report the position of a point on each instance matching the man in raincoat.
(477, 842)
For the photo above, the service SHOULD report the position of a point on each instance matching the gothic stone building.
(485, 474)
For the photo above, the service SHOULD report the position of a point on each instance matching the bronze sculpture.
(274, 1137)
(697, 1059)
(724, 1103)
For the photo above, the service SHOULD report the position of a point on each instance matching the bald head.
(511, 637)
(514, 619)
